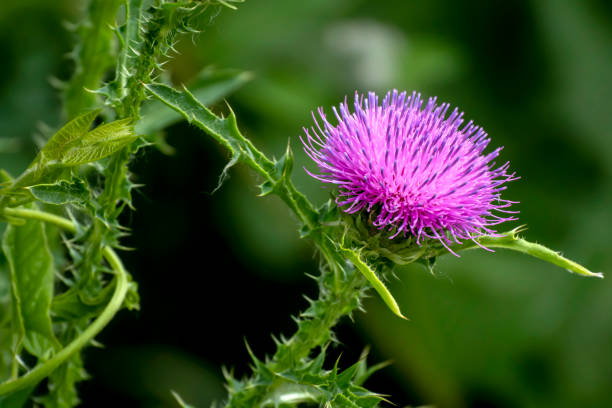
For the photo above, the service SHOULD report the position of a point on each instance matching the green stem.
(323, 314)
(121, 286)
(314, 330)
(56, 220)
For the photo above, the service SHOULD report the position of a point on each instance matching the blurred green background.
(490, 330)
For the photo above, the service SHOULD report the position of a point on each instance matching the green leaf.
(55, 147)
(74, 144)
(99, 143)
(32, 273)
(374, 280)
(210, 86)
(62, 192)
(17, 399)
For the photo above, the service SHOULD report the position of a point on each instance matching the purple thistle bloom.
(423, 173)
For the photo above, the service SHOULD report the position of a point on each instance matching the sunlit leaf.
(61, 141)
(99, 143)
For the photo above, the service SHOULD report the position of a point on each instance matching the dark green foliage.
(32, 274)
(50, 300)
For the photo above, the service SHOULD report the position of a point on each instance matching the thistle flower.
(417, 170)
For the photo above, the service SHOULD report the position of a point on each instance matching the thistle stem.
(121, 286)
(322, 315)
(341, 288)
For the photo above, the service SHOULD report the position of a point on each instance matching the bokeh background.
(489, 330)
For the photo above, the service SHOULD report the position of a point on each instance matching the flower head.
(415, 168)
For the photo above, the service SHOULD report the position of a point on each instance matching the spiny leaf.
(225, 131)
(210, 86)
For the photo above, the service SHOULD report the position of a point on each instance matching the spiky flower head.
(417, 170)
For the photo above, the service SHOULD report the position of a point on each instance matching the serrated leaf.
(32, 274)
(225, 131)
(99, 143)
(62, 192)
(75, 129)
(209, 87)
(374, 280)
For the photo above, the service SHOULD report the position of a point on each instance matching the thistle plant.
(413, 183)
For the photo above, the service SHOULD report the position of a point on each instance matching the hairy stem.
(314, 331)
(121, 287)
(322, 315)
